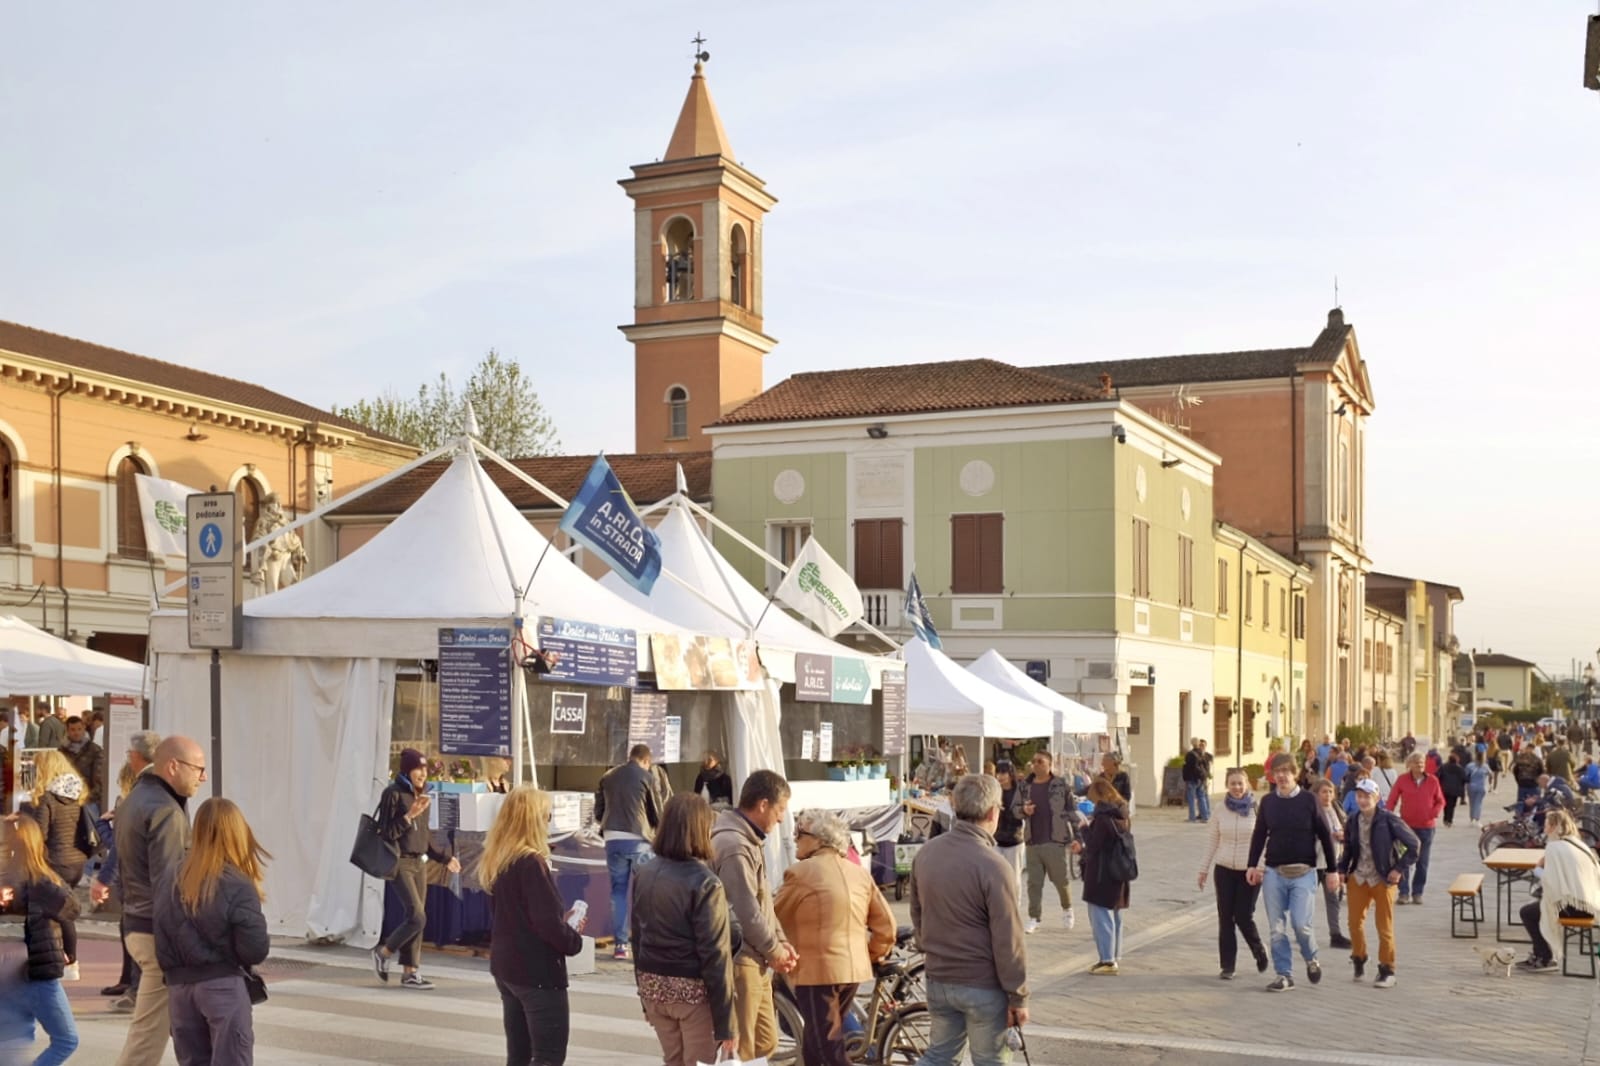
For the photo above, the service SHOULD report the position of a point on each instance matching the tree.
(511, 420)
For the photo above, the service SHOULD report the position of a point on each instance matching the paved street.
(1166, 1007)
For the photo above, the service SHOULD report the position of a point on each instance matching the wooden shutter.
(879, 552)
(977, 553)
(130, 523)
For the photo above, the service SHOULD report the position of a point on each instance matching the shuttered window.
(1185, 571)
(1222, 731)
(1141, 559)
(977, 553)
(878, 553)
(130, 523)
(6, 502)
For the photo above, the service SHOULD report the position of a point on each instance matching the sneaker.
(416, 981)
(1313, 971)
(1104, 969)
(1538, 966)
(1385, 977)
(1069, 918)
(1360, 964)
(1416, 901)
(1032, 926)
(1261, 960)
(114, 990)
(1281, 983)
(380, 964)
(124, 1004)
(1401, 901)
(1226, 975)
(621, 953)
(70, 972)
(1338, 941)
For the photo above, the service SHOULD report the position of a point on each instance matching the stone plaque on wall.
(880, 480)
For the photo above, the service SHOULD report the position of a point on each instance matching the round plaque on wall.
(977, 478)
(789, 486)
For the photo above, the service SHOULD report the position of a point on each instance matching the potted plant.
(838, 771)
(1257, 772)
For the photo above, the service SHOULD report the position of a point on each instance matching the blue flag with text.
(917, 616)
(603, 519)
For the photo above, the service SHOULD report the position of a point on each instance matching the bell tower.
(696, 331)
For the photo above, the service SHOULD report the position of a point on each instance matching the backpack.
(1119, 861)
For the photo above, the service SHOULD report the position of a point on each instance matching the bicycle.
(889, 1029)
(1521, 830)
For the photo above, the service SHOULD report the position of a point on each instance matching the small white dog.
(1497, 960)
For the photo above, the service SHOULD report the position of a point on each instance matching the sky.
(336, 199)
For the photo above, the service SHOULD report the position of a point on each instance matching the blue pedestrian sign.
(210, 540)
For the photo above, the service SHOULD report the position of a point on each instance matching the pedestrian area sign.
(213, 592)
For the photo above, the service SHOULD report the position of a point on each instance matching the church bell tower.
(696, 331)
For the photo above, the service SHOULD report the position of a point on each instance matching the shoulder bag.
(374, 855)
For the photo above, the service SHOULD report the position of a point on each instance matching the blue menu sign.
(474, 691)
(587, 653)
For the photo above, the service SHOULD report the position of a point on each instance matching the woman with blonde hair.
(209, 931)
(532, 935)
(1569, 882)
(56, 804)
(36, 891)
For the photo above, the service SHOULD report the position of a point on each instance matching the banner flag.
(161, 505)
(819, 588)
(917, 615)
(603, 519)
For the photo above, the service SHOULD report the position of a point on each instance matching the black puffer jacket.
(224, 935)
(58, 820)
(44, 905)
(682, 927)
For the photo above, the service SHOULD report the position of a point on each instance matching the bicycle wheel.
(1500, 835)
(906, 1039)
(791, 1031)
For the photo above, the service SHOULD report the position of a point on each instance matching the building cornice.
(649, 178)
(699, 327)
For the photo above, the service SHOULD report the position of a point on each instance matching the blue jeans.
(1475, 805)
(957, 1015)
(1291, 900)
(46, 1002)
(1414, 878)
(1199, 801)
(621, 858)
(1106, 922)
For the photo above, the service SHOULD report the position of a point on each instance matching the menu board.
(647, 721)
(894, 712)
(474, 691)
(590, 654)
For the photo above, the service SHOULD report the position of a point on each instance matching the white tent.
(1071, 716)
(308, 702)
(943, 698)
(32, 662)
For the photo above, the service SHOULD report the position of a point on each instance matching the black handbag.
(254, 984)
(87, 836)
(375, 856)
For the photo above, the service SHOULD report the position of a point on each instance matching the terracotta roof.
(699, 130)
(96, 358)
(1211, 366)
(1489, 658)
(647, 478)
(881, 391)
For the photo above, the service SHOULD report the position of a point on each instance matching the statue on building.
(281, 561)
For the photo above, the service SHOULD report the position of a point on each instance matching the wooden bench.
(1466, 905)
(1582, 930)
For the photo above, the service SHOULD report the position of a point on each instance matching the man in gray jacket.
(738, 842)
(964, 909)
(1044, 803)
(627, 808)
(152, 838)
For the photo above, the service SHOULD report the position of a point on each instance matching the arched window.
(739, 268)
(249, 494)
(677, 412)
(7, 501)
(130, 522)
(679, 251)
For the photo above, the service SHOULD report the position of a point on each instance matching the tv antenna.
(700, 54)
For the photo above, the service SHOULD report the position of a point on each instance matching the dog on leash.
(1497, 960)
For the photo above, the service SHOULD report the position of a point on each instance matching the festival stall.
(942, 698)
(337, 670)
(1072, 719)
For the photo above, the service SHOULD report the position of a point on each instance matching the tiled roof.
(916, 388)
(98, 359)
(647, 478)
(1489, 658)
(1212, 366)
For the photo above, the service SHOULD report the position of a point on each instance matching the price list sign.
(647, 721)
(474, 691)
(590, 654)
(894, 712)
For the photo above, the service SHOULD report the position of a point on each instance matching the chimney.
(1336, 318)
(1105, 385)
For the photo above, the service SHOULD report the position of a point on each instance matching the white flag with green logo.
(818, 588)
(161, 502)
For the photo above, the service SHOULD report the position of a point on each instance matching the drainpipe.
(1238, 673)
(61, 532)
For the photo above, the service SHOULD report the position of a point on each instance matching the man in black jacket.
(152, 837)
(88, 758)
(1289, 828)
(627, 808)
(1197, 781)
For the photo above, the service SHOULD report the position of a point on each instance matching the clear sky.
(334, 198)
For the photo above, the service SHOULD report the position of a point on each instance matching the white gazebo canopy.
(943, 698)
(32, 662)
(1071, 716)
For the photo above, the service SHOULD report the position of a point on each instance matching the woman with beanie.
(403, 819)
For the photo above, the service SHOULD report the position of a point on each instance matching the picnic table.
(1510, 865)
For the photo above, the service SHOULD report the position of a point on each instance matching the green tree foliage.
(511, 419)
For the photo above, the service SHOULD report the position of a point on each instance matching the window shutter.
(991, 553)
(964, 553)
(879, 553)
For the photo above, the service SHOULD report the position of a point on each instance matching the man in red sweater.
(1420, 800)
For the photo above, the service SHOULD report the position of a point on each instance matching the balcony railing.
(883, 608)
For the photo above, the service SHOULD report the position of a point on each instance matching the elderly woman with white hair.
(839, 924)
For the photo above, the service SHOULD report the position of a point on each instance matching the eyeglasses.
(798, 833)
(201, 770)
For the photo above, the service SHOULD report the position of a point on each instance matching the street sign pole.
(214, 597)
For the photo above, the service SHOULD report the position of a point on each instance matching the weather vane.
(700, 54)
